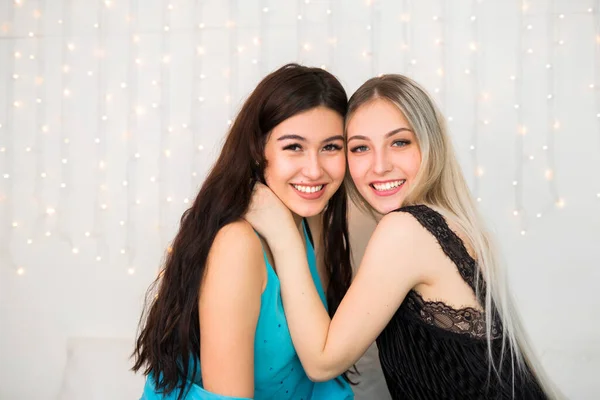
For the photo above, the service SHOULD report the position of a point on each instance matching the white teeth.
(308, 189)
(382, 187)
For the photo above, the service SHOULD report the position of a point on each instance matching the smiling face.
(305, 160)
(383, 154)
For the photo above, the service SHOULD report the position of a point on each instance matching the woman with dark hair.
(215, 327)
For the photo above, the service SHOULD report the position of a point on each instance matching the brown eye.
(332, 147)
(293, 147)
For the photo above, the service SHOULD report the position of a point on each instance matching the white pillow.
(99, 369)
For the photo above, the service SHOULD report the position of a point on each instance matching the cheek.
(357, 166)
(413, 163)
(336, 167)
(275, 171)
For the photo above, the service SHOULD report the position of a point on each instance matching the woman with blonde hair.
(430, 288)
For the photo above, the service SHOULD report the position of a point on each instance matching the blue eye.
(401, 143)
(359, 149)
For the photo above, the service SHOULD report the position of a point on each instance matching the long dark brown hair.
(168, 344)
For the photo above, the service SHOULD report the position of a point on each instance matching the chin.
(384, 207)
(304, 209)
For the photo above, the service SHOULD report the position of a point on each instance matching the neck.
(298, 222)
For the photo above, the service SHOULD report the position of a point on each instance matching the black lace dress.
(430, 350)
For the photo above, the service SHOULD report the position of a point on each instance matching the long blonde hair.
(441, 184)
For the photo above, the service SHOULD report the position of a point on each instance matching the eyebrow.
(387, 135)
(303, 139)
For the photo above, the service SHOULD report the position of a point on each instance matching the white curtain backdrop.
(112, 112)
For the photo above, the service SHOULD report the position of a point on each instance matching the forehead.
(315, 123)
(376, 118)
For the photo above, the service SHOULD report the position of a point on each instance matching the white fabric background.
(111, 113)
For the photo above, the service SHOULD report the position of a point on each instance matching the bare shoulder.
(236, 252)
(400, 225)
(237, 236)
(401, 235)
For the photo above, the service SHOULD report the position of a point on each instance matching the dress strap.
(449, 241)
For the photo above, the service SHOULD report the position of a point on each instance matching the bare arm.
(389, 269)
(229, 305)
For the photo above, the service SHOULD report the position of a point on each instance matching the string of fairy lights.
(444, 27)
(165, 121)
(7, 151)
(99, 229)
(131, 134)
(521, 129)
(54, 179)
(596, 11)
(474, 72)
(197, 100)
(65, 171)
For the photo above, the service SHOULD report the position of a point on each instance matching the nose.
(312, 167)
(381, 163)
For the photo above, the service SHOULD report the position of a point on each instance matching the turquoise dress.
(278, 373)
